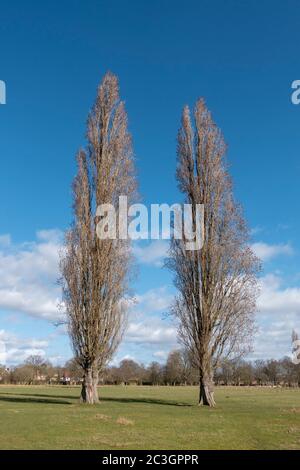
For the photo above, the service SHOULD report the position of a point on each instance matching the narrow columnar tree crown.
(95, 271)
(217, 284)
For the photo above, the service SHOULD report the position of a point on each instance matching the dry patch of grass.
(102, 417)
(121, 420)
(293, 429)
(291, 410)
(125, 421)
(110, 443)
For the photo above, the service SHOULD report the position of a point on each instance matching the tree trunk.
(87, 391)
(95, 385)
(206, 391)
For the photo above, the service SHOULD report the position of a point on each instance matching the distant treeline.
(177, 370)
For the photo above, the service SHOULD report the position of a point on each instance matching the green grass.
(36, 417)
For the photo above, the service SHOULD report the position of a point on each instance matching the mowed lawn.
(133, 417)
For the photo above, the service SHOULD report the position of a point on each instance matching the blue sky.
(241, 56)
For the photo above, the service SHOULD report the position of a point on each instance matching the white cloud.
(153, 253)
(14, 350)
(28, 276)
(267, 252)
(278, 315)
(51, 235)
(152, 331)
(156, 251)
(147, 328)
(273, 342)
(161, 355)
(57, 360)
(275, 299)
(256, 230)
(154, 300)
(5, 240)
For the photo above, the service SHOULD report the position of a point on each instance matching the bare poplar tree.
(95, 271)
(217, 284)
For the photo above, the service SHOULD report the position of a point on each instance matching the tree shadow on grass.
(32, 399)
(151, 401)
(46, 395)
(61, 399)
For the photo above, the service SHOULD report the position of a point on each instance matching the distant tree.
(217, 284)
(288, 371)
(189, 374)
(272, 371)
(22, 374)
(225, 371)
(111, 375)
(4, 374)
(260, 372)
(246, 372)
(39, 366)
(74, 369)
(155, 373)
(174, 368)
(95, 271)
(35, 361)
(130, 370)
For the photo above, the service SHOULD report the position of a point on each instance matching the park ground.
(140, 417)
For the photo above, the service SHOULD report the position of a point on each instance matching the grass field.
(35, 417)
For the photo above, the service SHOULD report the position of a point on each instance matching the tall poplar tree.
(217, 284)
(95, 271)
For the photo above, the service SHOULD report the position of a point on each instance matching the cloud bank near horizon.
(28, 287)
